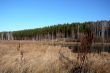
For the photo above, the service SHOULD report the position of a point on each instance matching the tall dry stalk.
(21, 53)
(86, 42)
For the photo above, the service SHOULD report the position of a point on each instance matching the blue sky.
(27, 14)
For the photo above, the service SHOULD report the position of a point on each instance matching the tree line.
(67, 30)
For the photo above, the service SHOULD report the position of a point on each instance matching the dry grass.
(37, 57)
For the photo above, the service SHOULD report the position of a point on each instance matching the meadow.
(40, 57)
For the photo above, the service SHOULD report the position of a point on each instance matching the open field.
(39, 57)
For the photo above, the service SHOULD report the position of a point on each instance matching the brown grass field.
(38, 57)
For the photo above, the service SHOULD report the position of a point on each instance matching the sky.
(28, 14)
